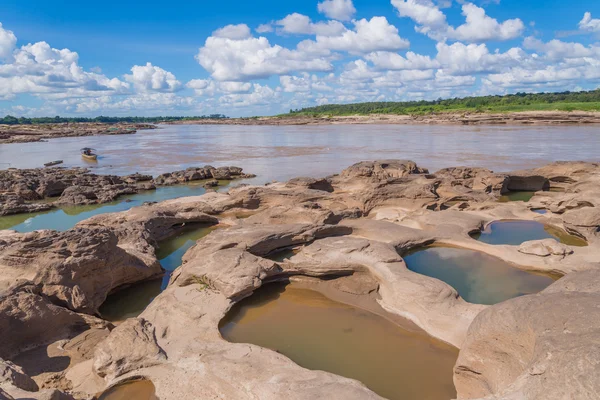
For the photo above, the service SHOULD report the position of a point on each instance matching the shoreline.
(31, 133)
(450, 118)
(10, 134)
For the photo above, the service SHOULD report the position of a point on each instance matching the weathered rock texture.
(78, 186)
(40, 132)
(359, 222)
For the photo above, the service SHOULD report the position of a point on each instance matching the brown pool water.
(133, 390)
(478, 278)
(516, 196)
(130, 302)
(321, 334)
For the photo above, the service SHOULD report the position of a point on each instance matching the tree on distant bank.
(10, 120)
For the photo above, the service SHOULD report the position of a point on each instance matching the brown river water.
(284, 152)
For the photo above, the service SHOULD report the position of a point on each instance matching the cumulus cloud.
(305, 83)
(301, 24)
(251, 58)
(8, 41)
(558, 50)
(342, 10)
(261, 95)
(41, 70)
(149, 78)
(461, 59)
(478, 26)
(393, 61)
(368, 35)
(588, 24)
(235, 32)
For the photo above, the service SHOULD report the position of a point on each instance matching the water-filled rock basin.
(130, 302)
(517, 232)
(516, 196)
(321, 334)
(477, 277)
(133, 390)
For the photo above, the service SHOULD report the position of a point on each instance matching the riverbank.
(361, 221)
(39, 132)
(41, 189)
(444, 118)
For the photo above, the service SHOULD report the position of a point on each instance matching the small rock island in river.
(343, 235)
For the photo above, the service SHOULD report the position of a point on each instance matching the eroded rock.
(130, 346)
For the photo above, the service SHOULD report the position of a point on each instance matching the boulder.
(545, 248)
(130, 346)
(28, 320)
(382, 170)
(540, 346)
(13, 375)
(77, 268)
(588, 217)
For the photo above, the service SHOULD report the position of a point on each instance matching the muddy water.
(132, 301)
(136, 390)
(477, 277)
(65, 218)
(517, 232)
(280, 152)
(284, 152)
(321, 334)
(516, 196)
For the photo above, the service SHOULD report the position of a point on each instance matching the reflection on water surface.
(321, 334)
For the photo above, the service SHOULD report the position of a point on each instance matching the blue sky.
(140, 58)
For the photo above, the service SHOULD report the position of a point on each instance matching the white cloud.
(259, 96)
(241, 60)
(478, 27)
(423, 12)
(46, 72)
(520, 77)
(264, 28)
(342, 10)
(461, 59)
(303, 84)
(368, 35)
(8, 41)
(149, 78)
(386, 60)
(235, 32)
(208, 87)
(588, 24)
(558, 50)
(301, 24)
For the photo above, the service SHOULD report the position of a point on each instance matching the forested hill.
(566, 101)
(10, 120)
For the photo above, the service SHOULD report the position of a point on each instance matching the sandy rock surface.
(355, 224)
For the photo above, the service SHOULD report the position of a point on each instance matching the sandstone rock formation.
(78, 186)
(356, 224)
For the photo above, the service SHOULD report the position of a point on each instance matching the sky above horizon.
(243, 58)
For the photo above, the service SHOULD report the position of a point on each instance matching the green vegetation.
(10, 120)
(565, 101)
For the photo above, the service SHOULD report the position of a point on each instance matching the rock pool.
(477, 277)
(322, 334)
(517, 232)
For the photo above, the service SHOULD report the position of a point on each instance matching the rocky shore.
(444, 118)
(41, 189)
(41, 132)
(358, 223)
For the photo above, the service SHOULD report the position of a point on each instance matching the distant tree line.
(10, 120)
(483, 103)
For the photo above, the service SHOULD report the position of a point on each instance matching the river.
(284, 152)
